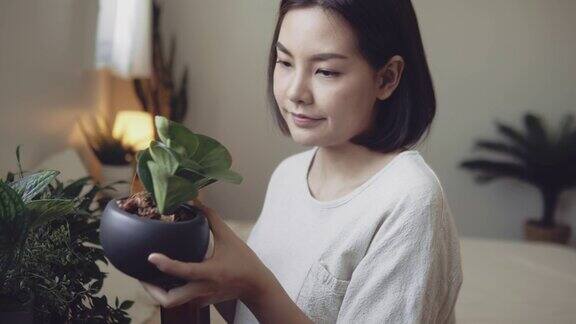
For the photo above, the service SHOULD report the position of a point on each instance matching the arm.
(233, 272)
(273, 305)
(411, 272)
(227, 310)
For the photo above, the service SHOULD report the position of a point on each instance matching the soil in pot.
(142, 205)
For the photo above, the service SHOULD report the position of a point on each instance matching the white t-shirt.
(387, 252)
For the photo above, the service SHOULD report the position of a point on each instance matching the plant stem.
(550, 200)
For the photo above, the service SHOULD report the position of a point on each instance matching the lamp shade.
(134, 128)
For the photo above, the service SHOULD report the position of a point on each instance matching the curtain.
(123, 42)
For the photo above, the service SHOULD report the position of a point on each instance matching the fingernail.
(153, 257)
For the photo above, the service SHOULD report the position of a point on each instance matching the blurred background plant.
(49, 246)
(538, 157)
(109, 149)
(161, 94)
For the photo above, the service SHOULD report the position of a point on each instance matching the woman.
(356, 229)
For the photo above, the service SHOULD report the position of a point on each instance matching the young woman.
(356, 229)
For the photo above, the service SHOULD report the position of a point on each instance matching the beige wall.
(45, 77)
(489, 59)
(225, 45)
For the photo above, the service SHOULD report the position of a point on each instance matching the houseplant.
(48, 251)
(114, 155)
(161, 94)
(159, 219)
(541, 159)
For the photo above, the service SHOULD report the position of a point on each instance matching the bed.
(504, 282)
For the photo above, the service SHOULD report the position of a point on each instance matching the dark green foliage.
(108, 149)
(174, 169)
(536, 156)
(49, 247)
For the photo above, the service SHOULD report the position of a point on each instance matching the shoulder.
(413, 181)
(286, 172)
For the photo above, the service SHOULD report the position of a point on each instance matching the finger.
(157, 293)
(185, 270)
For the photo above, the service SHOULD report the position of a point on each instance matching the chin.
(304, 139)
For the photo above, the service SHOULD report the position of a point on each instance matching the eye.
(327, 73)
(286, 64)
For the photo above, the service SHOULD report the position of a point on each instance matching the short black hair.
(383, 28)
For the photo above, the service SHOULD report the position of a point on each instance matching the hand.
(233, 272)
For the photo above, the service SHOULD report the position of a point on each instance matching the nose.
(298, 90)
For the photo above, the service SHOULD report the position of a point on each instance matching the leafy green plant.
(49, 247)
(161, 94)
(108, 149)
(173, 169)
(537, 157)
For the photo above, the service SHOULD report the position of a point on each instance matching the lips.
(306, 116)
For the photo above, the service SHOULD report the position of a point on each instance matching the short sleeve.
(411, 272)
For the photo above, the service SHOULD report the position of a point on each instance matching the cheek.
(278, 87)
(349, 104)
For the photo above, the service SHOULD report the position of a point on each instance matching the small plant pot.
(113, 173)
(128, 240)
(558, 233)
(17, 311)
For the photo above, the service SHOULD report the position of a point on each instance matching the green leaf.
(176, 136)
(211, 153)
(536, 131)
(205, 182)
(191, 175)
(12, 221)
(75, 188)
(499, 169)
(170, 190)
(33, 184)
(224, 175)
(10, 177)
(19, 162)
(143, 171)
(42, 212)
(164, 157)
(192, 165)
(11, 205)
(126, 304)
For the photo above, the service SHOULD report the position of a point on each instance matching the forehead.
(306, 31)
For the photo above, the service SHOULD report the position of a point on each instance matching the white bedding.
(504, 282)
(517, 282)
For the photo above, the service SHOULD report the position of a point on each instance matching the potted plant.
(114, 155)
(48, 252)
(159, 219)
(541, 159)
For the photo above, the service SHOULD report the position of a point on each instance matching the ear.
(388, 78)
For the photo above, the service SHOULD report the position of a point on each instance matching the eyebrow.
(314, 58)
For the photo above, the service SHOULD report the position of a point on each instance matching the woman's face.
(340, 89)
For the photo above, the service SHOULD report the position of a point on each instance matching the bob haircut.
(383, 28)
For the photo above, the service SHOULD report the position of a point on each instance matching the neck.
(346, 163)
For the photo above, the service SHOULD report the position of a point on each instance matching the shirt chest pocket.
(321, 294)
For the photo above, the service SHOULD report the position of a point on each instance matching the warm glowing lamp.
(134, 128)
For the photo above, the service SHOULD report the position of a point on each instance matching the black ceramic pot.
(128, 239)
